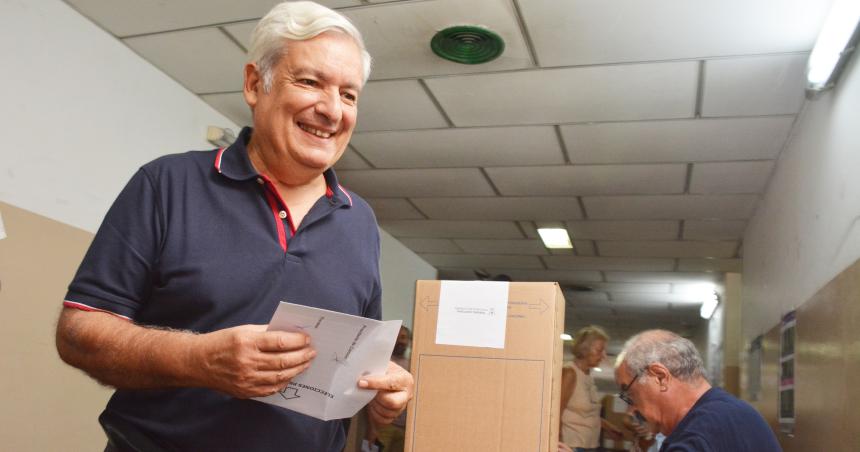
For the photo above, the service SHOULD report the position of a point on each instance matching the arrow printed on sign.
(428, 303)
(542, 305)
(287, 396)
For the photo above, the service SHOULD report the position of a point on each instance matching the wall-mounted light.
(709, 305)
(836, 42)
(220, 137)
(566, 337)
(2, 228)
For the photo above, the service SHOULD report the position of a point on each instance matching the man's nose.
(330, 105)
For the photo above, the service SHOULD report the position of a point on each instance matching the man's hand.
(248, 361)
(395, 391)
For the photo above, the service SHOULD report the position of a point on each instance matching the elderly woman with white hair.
(580, 405)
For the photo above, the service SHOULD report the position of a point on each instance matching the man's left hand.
(395, 390)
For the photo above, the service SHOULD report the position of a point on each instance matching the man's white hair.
(297, 21)
(678, 354)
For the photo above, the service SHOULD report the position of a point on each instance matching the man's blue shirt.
(201, 242)
(719, 422)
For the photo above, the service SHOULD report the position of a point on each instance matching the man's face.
(306, 120)
(642, 392)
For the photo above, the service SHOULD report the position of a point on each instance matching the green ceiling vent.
(467, 44)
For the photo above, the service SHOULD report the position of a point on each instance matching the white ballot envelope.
(347, 346)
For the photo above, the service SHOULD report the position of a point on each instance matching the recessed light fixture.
(467, 44)
(555, 238)
(834, 46)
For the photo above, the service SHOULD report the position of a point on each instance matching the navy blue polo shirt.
(719, 422)
(201, 242)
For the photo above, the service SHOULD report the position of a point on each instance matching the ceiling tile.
(481, 260)
(624, 92)
(710, 265)
(686, 140)
(350, 160)
(623, 230)
(671, 207)
(393, 209)
(458, 274)
(500, 208)
(579, 296)
(630, 287)
(231, 105)
(203, 60)
(131, 17)
(398, 104)
(560, 276)
(431, 245)
(438, 148)
(452, 229)
(416, 182)
(496, 246)
(730, 177)
(643, 297)
(661, 277)
(761, 85)
(714, 229)
(676, 248)
(588, 179)
(584, 248)
(577, 32)
(398, 36)
(607, 263)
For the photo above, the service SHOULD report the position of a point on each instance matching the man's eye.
(350, 97)
(307, 81)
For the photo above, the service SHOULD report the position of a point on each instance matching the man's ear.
(253, 85)
(661, 373)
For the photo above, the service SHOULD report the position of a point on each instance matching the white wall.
(81, 112)
(805, 231)
(400, 269)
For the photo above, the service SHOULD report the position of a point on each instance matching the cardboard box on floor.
(489, 399)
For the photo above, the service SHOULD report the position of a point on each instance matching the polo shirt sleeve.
(118, 270)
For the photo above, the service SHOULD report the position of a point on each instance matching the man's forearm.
(118, 353)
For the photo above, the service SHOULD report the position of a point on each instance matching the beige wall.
(44, 404)
(827, 357)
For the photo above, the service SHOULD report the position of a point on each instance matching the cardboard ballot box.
(487, 358)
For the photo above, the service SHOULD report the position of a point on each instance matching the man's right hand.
(248, 361)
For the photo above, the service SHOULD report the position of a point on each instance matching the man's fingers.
(281, 341)
(400, 381)
(380, 414)
(288, 360)
(384, 411)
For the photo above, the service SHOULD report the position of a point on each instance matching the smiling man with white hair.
(171, 302)
(662, 378)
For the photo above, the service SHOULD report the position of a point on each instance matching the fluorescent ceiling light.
(566, 337)
(555, 237)
(835, 44)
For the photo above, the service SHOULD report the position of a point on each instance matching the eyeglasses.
(623, 395)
